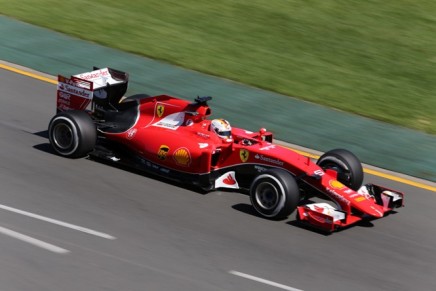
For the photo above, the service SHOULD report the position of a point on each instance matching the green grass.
(373, 58)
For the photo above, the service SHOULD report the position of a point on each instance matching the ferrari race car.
(175, 138)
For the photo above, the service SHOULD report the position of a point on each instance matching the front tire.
(72, 134)
(274, 194)
(346, 164)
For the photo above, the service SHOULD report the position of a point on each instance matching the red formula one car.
(174, 138)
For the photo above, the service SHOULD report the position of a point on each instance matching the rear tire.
(134, 97)
(274, 194)
(346, 164)
(72, 134)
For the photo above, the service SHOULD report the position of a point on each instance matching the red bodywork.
(187, 145)
(173, 135)
(190, 142)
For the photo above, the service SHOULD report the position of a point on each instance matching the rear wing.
(103, 87)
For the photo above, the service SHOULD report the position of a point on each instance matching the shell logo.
(336, 184)
(182, 157)
(160, 110)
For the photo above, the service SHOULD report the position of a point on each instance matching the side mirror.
(264, 135)
(262, 132)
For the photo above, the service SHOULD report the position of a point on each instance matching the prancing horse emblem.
(243, 154)
(160, 110)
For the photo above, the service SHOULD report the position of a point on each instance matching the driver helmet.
(222, 128)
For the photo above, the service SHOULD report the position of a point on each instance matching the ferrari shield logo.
(243, 154)
(160, 110)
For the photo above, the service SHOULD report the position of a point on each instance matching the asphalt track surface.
(81, 225)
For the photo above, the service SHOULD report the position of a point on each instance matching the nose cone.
(375, 210)
(368, 206)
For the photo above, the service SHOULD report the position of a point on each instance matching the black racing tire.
(134, 97)
(72, 134)
(346, 164)
(274, 194)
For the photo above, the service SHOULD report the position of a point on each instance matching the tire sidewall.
(83, 130)
(74, 129)
(287, 195)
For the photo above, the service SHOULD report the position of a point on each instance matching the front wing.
(326, 217)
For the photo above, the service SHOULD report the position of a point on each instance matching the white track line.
(58, 222)
(271, 283)
(33, 241)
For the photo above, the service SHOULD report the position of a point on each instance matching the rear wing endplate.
(103, 87)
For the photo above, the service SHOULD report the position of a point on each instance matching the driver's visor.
(227, 133)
